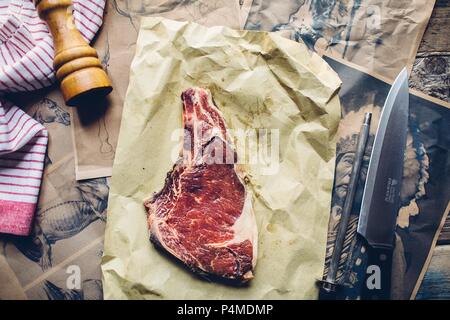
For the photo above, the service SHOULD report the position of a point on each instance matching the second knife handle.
(377, 283)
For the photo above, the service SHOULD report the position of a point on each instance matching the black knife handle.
(377, 284)
(329, 291)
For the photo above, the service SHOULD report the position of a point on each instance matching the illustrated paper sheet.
(60, 260)
(261, 82)
(383, 36)
(245, 6)
(96, 130)
(425, 193)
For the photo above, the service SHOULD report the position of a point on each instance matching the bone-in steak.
(203, 215)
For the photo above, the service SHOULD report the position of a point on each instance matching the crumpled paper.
(258, 80)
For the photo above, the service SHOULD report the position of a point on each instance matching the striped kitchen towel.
(26, 63)
(23, 143)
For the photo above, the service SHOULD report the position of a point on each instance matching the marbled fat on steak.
(203, 215)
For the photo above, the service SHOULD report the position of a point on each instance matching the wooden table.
(431, 75)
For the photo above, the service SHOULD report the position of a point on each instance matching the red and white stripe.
(23, 145)
(26, 63)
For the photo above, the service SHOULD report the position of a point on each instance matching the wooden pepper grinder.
(77, 66)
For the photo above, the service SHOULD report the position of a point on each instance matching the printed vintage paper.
(425, 189)
(382, 36)
(96, 130)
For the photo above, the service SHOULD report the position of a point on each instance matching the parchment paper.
(95, 134)
(258, 80)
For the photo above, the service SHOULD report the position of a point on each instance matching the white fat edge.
(248, 210)
(241, 171)
(215, 130)
(227, 138)
(244, 228)
(197, 143)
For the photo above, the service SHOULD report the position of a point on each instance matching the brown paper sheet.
(382, 36)
(259, 81)
(95, 134)
(10, 288)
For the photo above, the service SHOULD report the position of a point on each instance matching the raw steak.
(203, 215)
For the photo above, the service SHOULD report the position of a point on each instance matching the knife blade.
(381, 197)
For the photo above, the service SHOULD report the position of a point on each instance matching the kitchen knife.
(381, 197)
